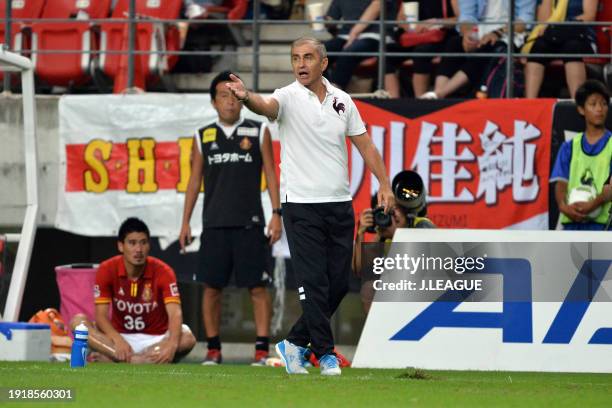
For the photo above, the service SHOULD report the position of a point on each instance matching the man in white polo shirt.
(314, 119)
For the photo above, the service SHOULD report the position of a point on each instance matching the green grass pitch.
(191, 385)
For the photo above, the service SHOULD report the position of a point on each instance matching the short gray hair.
(321, 50)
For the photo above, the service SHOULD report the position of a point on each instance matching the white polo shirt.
(314, 156)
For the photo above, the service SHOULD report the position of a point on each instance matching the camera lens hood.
(409, 190)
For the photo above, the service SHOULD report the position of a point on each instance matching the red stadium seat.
(151, 35)
(20, 31)
(67, 68)
(70, 8)
(23, 9)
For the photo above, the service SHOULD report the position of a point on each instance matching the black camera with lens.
(381, 219)
(409, 191)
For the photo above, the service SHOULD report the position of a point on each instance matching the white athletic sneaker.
(292, 356)
(329, 365)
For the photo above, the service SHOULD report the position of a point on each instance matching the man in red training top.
(147, 322)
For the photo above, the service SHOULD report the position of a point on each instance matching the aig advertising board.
(490, 300)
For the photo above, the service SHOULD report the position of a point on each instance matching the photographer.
(409, 212)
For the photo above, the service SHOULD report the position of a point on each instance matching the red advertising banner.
(485, 162)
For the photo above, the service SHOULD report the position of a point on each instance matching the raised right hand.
(237, 87)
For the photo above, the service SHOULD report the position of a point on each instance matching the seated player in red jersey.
(147, 322)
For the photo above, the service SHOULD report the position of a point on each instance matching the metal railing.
(256, 23)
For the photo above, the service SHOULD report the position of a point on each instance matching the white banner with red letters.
(129, 155)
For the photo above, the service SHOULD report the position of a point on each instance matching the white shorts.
(140, 341)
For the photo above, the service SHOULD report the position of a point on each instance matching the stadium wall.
(12, 167)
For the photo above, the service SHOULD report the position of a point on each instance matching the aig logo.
(516, 319)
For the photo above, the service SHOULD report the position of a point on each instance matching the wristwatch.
(278, 211)
(246, 98)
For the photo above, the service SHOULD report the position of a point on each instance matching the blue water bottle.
(79, 346)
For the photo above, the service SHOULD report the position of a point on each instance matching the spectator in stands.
(456, 72)
(147, 322)
(204, 33)
(558, 39)
(410, 211)
(361, 37)
(230, 155)
(584, 164)
(436, 13)
(198, 37)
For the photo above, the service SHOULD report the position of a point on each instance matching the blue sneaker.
(292, 357)
(329, 365)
